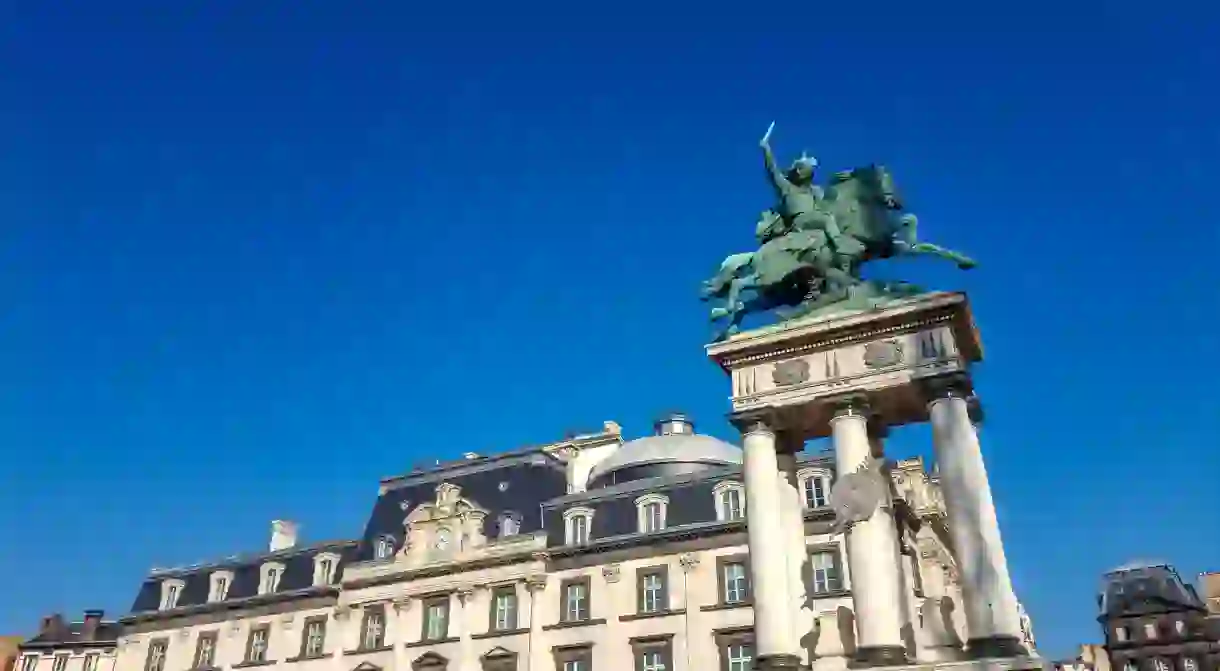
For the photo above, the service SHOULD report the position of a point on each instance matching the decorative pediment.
(445, 527)
(429, 661)
(449, 503)
(497, 653)
(366, 666)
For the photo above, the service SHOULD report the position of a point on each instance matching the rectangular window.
(652, 653)
(313, 640)
(815, 491)
(576, 600)
(651, 589)
(825, 568)
(730, 503)
(256, 647)
(504, 608)
(29, 663)
(324, 571)
(60, 663)
(574, 658)
(653, 661)
(156, 655)
(436, 619)
(205, 651)
(91, 662)
(736, 582)
(372, 631)
(739, 656)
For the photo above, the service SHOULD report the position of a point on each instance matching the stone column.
(794, 530)
(769, 549)
(536, 651)
(337, 632)
(992, 619)
(465, 599)
(401, 607)
(872, 553)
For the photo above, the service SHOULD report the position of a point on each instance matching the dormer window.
(730, 501)
(815, 487)
(650, 512)
(577, 524)
(324, 565)
(218, 589)
(510, 525)
(171, 590)
(384, 547)
(269, 577)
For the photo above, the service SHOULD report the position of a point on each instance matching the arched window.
(384, 547)
(578, 524)
(815, 487)
(651, 512)
(510, 524)
(730, 501)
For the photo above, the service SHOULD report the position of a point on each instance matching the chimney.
(51, 624)
(283, 535)
(92, 619)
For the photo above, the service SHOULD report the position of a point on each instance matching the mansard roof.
(56, 633)
(515, 483)
(297, 577)
(1146, 588)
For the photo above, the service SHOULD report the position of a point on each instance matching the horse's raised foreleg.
(906, 241)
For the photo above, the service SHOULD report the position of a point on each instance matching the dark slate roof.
(59, 634)
(516, 482)
(691, 502)
(1137, 590)
(298, 575)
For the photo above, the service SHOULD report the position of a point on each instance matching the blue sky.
(255, 255)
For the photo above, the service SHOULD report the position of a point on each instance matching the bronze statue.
(813, 243)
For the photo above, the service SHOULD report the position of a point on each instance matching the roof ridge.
(246, 557)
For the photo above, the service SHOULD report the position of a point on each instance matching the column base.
(779, 662)
(995, 646)
(880, 655)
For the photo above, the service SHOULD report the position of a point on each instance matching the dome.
(675, 449)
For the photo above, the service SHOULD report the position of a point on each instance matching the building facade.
(90, 644)
(588, 553)
(1155, 621)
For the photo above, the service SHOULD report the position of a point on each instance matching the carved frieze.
(883, 353)
(786, 373)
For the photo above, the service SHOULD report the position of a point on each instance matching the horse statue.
(810, 268)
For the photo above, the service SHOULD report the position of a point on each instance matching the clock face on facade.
(442, 540)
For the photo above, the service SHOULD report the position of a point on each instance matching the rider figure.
(801, 202)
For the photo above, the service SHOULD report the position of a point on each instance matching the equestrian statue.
(813, 243)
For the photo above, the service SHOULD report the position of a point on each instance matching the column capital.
(953, 385)
(535, 583)
(755, 421)
(853, 405)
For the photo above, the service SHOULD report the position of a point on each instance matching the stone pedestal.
(845, 375)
